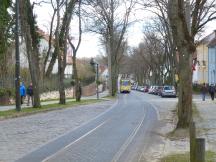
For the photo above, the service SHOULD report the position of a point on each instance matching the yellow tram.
(125, 86)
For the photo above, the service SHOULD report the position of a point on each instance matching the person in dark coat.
(204, 90)
(212, 91)
(22, 92)
(30, 94)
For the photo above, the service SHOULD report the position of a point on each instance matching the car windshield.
(168, 88)
(125, 82)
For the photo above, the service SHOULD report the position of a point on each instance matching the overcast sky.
(90, 45)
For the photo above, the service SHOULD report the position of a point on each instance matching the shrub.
(6, 92)
(196, 88)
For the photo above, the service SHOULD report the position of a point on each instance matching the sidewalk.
(206, 124)
(168, 143)
(11, 107)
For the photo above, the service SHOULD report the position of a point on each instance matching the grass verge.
(183, 132)
(50, 107)
(56, 99)
(110, 97)
(210, 157)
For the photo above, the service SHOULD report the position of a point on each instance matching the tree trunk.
(61, 68)
(185, 90)
(114, 77)
(186, 47)
(31, 41)
(76, 78)
(50, 44)
(110, 72)
(60, 55)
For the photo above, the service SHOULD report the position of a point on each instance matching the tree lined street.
(119, 134)
(173, 59)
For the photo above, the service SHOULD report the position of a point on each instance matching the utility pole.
(17, 66)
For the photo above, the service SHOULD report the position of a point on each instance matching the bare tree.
(111, 25)
(148, 58)
(48, 53)
(60, 52)
(64, 26)
(29, 32)
(75, 49)
(186, 20)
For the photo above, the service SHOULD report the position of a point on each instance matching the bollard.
(192, 141)
(200, 150)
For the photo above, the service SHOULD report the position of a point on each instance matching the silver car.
(168, 91)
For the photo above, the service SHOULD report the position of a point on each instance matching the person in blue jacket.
(22, 92)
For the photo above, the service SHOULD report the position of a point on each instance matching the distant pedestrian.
(212, 91)
(204, 90)
(30, 94)
(22, 92)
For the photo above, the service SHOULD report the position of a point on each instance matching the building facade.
(205, 67)
(212, 61)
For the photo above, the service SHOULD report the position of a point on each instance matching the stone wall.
(89, 90)
(86, 91)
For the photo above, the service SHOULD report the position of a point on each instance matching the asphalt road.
(122, 134)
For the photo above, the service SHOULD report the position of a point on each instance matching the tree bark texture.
(60, 53)
(76, 78)
(112, 68)
(186, 48)
(31, 40)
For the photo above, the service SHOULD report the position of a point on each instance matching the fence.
(45, 85)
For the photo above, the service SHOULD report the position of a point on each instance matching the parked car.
(133, 87)
(142, 89)
(159, 90)
(146, 89)
(154, 91)
(150, 91)
(168, 91)
(139, 88)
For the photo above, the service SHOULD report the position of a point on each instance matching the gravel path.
(22, 135)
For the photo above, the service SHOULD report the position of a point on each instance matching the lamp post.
(93, 63)
(17, 66)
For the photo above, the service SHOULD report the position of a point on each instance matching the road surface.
(122, 134)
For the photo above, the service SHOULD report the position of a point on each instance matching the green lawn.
(49, 107)
(210, 157)
(110, 97)
(56, 99)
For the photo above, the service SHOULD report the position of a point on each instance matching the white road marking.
(98, 116)
(83, 136)
(156, 109)
(128, 141)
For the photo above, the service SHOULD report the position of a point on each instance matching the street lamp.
(93, 63)
(17, 66)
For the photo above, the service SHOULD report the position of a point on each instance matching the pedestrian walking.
(22, 92)
(212, 91)
(204, 90)
(30, 94)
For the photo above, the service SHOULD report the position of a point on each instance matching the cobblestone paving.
(206, 125)
(21, 136)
